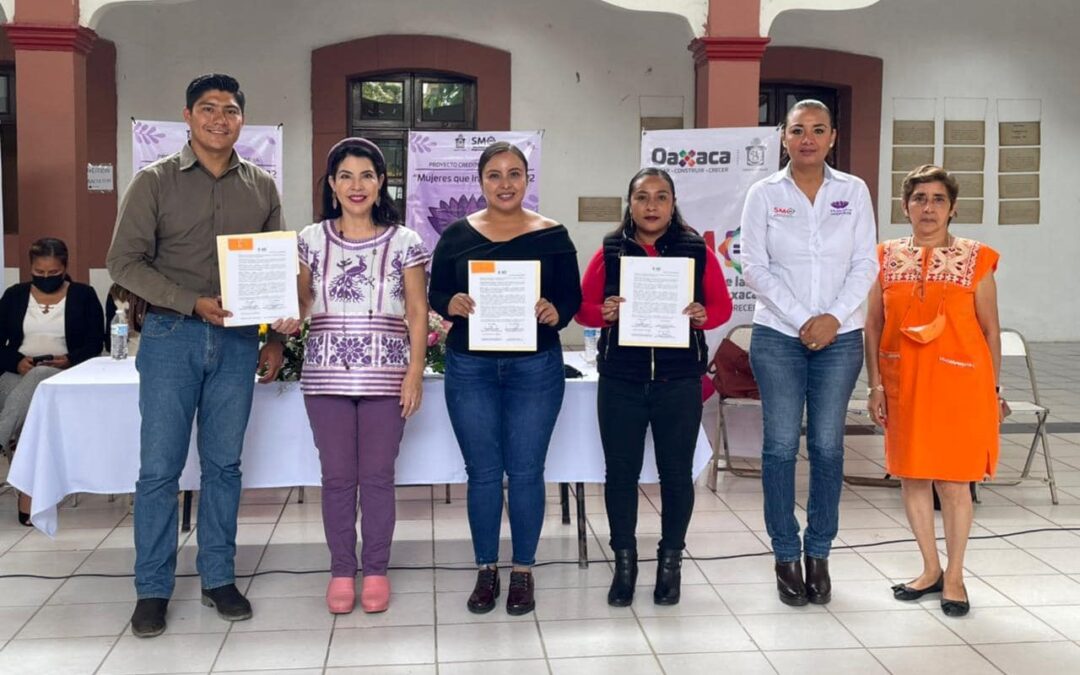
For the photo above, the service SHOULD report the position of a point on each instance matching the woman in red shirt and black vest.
(643, 386)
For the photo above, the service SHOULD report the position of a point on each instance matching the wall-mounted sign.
(99, 178)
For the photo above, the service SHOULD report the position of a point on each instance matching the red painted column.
(727, 65)
(50, 92)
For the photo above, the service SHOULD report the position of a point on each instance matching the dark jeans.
(503, 411)
(625, 409)
(189, 368)
(791, 377)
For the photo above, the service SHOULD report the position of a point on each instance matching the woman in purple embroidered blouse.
(362, 283)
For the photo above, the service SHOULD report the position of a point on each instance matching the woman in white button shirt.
(808, 252)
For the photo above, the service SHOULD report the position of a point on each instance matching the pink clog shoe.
(341, 595)
(375, 594)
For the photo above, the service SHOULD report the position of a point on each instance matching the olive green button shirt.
(165, 248)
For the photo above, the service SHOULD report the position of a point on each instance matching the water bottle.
(592, 336)
(118, 331)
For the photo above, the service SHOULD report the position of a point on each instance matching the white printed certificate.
(657, 290)
(505, 293)
(258, 277)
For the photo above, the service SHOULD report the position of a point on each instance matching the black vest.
(642, 364)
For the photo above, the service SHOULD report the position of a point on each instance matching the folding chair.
(1014, 345)
(740, 335)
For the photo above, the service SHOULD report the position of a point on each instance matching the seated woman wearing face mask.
(46, 325)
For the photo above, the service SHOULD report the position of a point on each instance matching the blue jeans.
(791, 377)
(503, 411)
(188, 368)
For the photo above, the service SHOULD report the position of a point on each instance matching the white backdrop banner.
(712, 170)
(443, 186)
(260, 145)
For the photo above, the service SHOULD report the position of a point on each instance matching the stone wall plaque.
(965, 132)
(962, 158)
(599, 209)
(1018, 212)
(1019, 133)
(1018, 160)
(1018, 186)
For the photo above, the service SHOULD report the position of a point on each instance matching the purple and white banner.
(260, 145)
(443, 184)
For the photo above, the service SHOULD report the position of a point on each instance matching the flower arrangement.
(436, 342)
(293, 361)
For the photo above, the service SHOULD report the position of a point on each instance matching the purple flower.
(314, 349)
(456, 209)
(350, 349)
(395, 351)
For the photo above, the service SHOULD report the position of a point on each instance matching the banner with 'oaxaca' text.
(712, 170)
(443, 184)
(260, 145)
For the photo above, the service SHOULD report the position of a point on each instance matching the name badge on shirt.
(783, 211)
(840, 208)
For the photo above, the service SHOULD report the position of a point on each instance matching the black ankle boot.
(621, 593)
(789, 583)
(668, 577)
(818, 582)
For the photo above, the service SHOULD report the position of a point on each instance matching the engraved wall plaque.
(599, 209)
(1018, 212)
(1018, 186)
(965, 132)
(963, 158)
(913, 132)
(1018, 160)
(971, 185)
(969, 211)
(906, 158)
(1019, 133)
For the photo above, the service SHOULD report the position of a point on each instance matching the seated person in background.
(46, 324)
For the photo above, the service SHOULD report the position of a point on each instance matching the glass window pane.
(394, 152)
(763, 108)
(379, 101)
(443, 101)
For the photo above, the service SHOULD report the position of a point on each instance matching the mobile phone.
(41, 359)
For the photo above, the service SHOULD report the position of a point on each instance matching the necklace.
(44, 308)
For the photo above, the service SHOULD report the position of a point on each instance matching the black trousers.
(625, 410)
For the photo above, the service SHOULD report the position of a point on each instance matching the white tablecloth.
(82, 435)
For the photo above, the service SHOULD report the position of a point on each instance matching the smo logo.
(690, 158)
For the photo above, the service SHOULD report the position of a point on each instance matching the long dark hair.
(383, 213)
(627, 226)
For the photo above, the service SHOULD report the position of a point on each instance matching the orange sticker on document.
(242, 244)
(482, 266)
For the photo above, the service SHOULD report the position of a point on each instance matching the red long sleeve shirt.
(717, 299)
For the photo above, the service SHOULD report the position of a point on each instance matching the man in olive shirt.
(165, 250)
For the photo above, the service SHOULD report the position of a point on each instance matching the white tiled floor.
(1025, 590)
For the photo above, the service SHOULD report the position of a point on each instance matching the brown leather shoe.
(519, 599)
(790, 584)
(818, 582)
(485, 591)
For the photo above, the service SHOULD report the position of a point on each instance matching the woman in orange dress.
(933, 353)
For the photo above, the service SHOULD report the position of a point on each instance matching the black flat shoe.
(24, 519)
(520, 599)
(818, 581)
(229, 602)
(907, 593)
(148, 620)
(668, 577)
(621, 593)
(955, 608)
(790, 585)
(485, 592)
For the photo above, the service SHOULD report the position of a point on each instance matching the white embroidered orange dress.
(942, 416)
